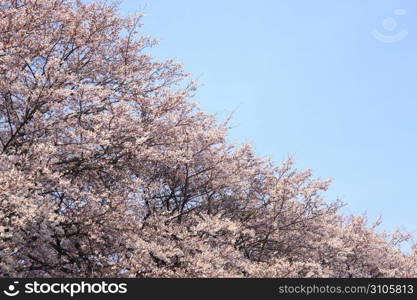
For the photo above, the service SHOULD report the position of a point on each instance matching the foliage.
(109, 169)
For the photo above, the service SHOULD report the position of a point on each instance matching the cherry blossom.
(109, 168)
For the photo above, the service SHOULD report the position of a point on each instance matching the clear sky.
(332, 83)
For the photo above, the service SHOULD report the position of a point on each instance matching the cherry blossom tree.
(108, 168)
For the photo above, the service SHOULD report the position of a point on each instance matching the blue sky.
(309, 79)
